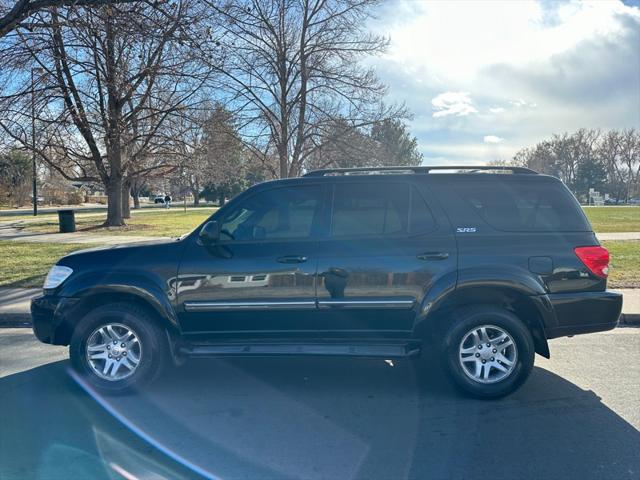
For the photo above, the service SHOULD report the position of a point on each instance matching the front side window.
(280, 213)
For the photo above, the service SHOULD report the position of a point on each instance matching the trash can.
(67, 221)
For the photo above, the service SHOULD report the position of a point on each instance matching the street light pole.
(33, 146)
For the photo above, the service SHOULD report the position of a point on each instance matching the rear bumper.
(584, 312)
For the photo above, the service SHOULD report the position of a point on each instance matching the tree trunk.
(283, 160)
(126, 194)
(221, 199)
(136, 188)
(196, 192)
(114, 203)
(196, 196)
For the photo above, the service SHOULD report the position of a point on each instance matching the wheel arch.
(531, 309)
(159, 308)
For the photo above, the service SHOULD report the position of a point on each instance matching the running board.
(277, 349)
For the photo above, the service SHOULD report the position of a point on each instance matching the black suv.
(487, 262)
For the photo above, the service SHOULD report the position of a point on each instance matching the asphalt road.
(578, 416)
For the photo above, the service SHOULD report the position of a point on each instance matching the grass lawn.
(614, 219)
(152, 222)
(24, 264)
(624, 268)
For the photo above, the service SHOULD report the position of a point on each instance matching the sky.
(484, 79)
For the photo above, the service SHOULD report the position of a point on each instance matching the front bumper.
(47, 315)
(584, 312)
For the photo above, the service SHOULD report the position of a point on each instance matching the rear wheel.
(489, 351)
(117, 347)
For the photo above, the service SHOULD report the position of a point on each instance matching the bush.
(75, 197)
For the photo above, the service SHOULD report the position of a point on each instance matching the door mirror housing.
(210, 233)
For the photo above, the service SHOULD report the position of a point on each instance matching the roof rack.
(419, 169)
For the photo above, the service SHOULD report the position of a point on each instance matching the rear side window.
(378, 209)
(524, 206)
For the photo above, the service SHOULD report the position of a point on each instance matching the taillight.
(596, 259)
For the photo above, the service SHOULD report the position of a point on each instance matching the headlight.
(56, 276)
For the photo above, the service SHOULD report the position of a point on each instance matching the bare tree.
(115, 81)
(12, 16)
(218, 157)
(386, 143)
(15, 176)
(630, 158)
(609, 151)
(589, 158)
(292, 68)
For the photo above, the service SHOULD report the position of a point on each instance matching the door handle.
(433, 256)
(292, 259)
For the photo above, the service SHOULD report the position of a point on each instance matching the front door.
(383, 253)
(261, 275)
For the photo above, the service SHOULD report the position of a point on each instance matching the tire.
(464, 352)
(147, 342)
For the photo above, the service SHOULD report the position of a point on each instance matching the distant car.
(159, 199)
(479, 268)
(634, 201)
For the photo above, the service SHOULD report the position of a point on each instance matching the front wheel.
(118, 347)
(489, 351)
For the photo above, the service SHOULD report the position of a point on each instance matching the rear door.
(383, 251)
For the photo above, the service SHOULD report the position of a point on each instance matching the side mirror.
(210, 233)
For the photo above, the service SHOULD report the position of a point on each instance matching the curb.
(629, 320)
(14, 320)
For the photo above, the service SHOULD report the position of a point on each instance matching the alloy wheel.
(113, 351)
(487, 354)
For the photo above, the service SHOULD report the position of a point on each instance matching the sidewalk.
(15, 302)
(618, 236)
(15, 306)
(16, 232)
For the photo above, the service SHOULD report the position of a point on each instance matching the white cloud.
(492, 139)
(522, 103)
(452, 103)
(525, 70)
(453, 40)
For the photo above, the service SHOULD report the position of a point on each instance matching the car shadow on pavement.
(315, 418)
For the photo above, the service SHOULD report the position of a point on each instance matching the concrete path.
(15, 305)
(618, 236)
(87, 207)
(16, 231)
